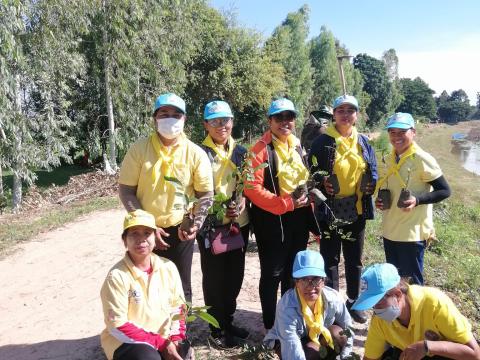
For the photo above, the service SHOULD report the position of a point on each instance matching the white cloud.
(450, 68)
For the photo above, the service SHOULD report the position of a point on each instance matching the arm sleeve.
(441, 191)
(131, 167)
(450, 322)
(260, 196)
(132, 334)
(291, 345)
(343, 319)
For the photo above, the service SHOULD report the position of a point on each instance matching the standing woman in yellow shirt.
(222, 274)
(168, 153)
(348, 162)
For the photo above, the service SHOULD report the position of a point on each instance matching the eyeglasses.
(348, 112)
(284, 116)
(218, 122)
(312, 281)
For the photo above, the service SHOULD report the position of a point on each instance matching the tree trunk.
(108, 95)
(1, 181)
(17, 165)
(16, 192)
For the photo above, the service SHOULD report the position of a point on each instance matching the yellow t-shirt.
(225, 170)
(291, 171)
(190, 165)
(431, 310)
(349, 169)
(129, 295)
(415, 225)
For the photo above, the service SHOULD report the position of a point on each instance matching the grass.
(451, 263)
(23, 228)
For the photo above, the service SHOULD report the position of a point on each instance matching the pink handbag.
(226, 238)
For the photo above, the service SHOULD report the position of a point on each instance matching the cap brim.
(175, 106)
(308, 272)
(367, 301)
(281, 110)
(146, 225)
(398, 125)
(348, 103)
(219, 115)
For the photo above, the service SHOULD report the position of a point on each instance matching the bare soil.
(50, 306)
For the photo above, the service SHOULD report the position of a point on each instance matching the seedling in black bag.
(405, 194)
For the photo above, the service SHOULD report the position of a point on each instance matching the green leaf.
(209, 319)
(261, 166)
(190, 318)
(173, 179)
(314, 160)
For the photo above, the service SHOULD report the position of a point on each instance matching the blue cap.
(345, 99)
(308, 263)
(375, 281)
(400, 121)
(169, 99)
(280, 105)
(217, 109)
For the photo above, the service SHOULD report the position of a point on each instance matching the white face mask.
(170, 128)
(389, 313)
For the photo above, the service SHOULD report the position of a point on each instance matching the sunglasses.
(218, 122)
(313, 281)
(284, 116)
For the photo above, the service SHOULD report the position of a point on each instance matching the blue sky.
(436, 40)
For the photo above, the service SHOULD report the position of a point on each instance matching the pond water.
(469, 155)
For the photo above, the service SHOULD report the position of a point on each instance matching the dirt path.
(50, 306)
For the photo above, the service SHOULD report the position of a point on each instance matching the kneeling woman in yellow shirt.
(412, 321)
(142, 299)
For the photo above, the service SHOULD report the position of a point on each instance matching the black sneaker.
(217, 340)
(358, 316)
(232, 341)
(238, 332)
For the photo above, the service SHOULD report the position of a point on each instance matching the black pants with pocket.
(222, 278)
(278, 242)
(331, 246)
(181, 253)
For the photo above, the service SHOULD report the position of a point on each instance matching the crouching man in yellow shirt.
(411, 320)
(145, 182)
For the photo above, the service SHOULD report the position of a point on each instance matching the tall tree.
(45, 60)
(230, 64)
(417, 98)
(326, 79)
(288, 47)
(454, 107)
(377, 86)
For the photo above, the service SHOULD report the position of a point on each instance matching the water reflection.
(469, 155)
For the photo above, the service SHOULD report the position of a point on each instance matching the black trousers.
(331, 246)
(277, 255)
(146, 352)
(222, 278)
(181, 253)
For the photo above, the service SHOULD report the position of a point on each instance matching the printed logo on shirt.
(135, 295)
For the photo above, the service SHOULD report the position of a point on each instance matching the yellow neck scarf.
(223, 156)
(314, 321)
(291, 170)
(395, 167)
(346, 149)
(163, 166)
